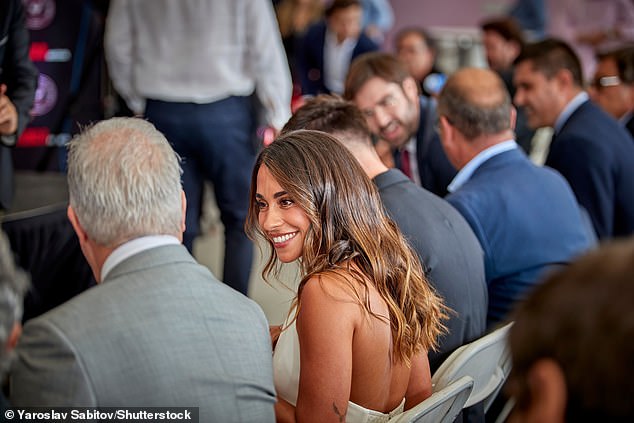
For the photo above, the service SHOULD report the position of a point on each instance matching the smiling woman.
(364, 316)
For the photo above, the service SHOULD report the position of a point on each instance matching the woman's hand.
(284, 412)
(275, 332)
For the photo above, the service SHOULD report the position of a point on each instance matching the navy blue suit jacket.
(449, 252)
(434, 169)
(629, 125)
(310, 58)
(596, 155)
(526, 218)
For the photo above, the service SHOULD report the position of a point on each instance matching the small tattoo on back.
(342, 417)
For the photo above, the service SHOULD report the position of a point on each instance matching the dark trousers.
(216, 142)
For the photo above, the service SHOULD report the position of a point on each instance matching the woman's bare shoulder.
(339, 286)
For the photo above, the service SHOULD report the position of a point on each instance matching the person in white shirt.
(329, 46)
(192, 67)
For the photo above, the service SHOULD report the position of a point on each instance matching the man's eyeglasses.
(606, 81)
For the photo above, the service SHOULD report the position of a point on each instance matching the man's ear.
(74, 221)
(449, 142)
(564, 79)
(548, 393)
(445, 129)
(183, 210)
(513, 118)
(410, 88)
(514, 50)
(14, 336)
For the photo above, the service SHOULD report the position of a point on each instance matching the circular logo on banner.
(39, 13)
(45, 95)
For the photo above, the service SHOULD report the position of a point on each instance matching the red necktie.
(406, 166)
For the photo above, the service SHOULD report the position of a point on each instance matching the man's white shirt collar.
(467, 171)
(133, 247)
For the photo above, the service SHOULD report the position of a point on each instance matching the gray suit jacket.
(159, 331)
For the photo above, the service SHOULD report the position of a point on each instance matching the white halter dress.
(286, 374)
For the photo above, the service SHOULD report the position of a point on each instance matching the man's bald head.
(475, 101)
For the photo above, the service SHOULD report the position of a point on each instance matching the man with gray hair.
(159, 330)
(13, 285)
(526, 217)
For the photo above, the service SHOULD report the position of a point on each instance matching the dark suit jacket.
(20, 77)
(629, 125)
(450, 254)
(526, 218)
(596, 155)
(434, 168)
(310, 58)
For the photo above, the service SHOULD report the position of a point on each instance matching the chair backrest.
(442, 406)
(487, 360)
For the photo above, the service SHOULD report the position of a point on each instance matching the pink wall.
(442, 13)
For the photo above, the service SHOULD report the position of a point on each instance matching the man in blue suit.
(329, 46)
(380, 85)
(589, 148)
(526, 217)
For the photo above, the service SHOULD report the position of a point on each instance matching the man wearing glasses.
(613, 85)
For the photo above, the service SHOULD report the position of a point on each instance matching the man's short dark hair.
(373, 65)
(550, 56)
(339, 5)
(625, 63)
(506, 27)
(583, 319)
(331, 114)
(417, 30)
(624, 59)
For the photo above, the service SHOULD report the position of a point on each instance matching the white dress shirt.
(467, 171)
(337, 57)
(198, 51)
(133, 247)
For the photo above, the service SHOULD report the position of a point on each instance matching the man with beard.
(387, 94)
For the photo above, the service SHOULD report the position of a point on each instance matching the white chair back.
(442, 406)
(487, 360)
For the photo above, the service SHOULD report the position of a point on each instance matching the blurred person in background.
(613, 85)
(571, 344)
(503, 42)
(18, 81)
(589, 148)
(417, 51)
(204, 72)
(378, 19)
(531, 16)
(329, 46)
(294, 17)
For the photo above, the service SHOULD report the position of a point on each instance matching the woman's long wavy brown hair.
(350, 234)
